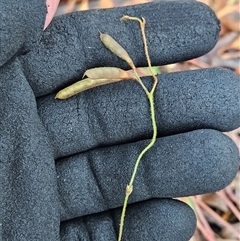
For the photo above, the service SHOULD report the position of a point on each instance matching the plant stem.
(150, 96)
(130, 185)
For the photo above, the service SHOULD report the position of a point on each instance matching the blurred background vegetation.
(218, 214)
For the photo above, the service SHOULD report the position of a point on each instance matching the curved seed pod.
(82, 85)
(108, 73)
(116, 48)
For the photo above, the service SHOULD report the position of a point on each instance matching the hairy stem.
(150, 96)
(129, 188)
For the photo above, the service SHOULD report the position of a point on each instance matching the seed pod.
(108, 73)
(116, 48)
(82, 85)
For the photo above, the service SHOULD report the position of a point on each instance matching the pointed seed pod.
(81, 86)
(108, 73)
(116, 48)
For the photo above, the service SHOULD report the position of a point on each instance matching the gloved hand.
(65, 164)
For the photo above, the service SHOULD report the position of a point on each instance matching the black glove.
(65, 164)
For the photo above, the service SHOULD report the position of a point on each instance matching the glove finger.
(187, 164)
(71, 44)
(119, 113)
(28, 189)
(158, 219)
(21, 26)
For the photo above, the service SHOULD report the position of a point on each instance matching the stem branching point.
(150, 96)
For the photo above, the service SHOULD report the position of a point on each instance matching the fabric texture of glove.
(21, 26)
(65, 164)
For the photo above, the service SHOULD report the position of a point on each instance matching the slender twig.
(142, 26)
(150, 96)
(217, 217)
(206, 231)
(232, 196)
(229, 204)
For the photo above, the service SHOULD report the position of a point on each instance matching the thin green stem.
(123, 216)
(130, 185)
(150, 96)
(151, 102)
